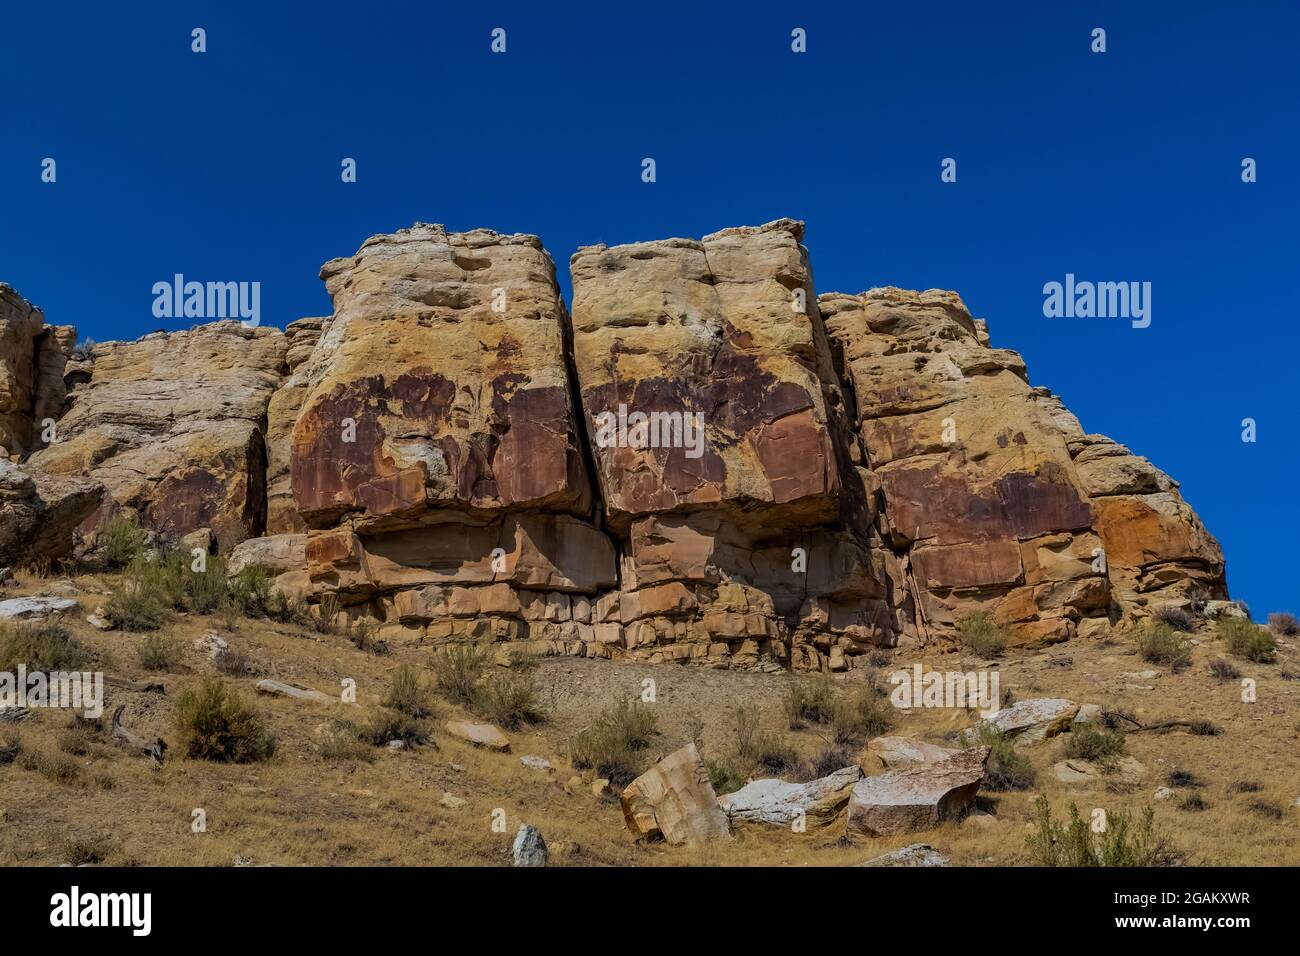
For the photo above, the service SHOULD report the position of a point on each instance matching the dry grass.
(326, 797)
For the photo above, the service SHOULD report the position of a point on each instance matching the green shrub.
(342, 740)
(384, 726)
(724, 776)
(760, 750)
(457, 670)
(1245, 639)
(159, 653)
(981, 634)
(134, 608)
(809, 701)
(121, 540)
(865, 713)
(509, 701)
(1124, 842)
(1161, 644)
(214, 723)
(250, 590)
(40, 647)
(409, 693)
(614, 742)
(1007, 768)
(207, 589)
(1090, 742)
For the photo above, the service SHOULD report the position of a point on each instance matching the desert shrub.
(136, 606)
(1223, 670)
(982, 634)
(11, 747)
(760, 749)
(105, 781)
(384, 726)
(361, 633)
(250, 590)
(1159, 643)
(1245, 786)
(1176, 618)
(457, 670)
(1204, 728)
(724, 776)
(1245, 639)
(1182, 778)
(509, 701)
(342, 740)
(865, 713)
(809, 701)
(880, 658)
(409, 692)
(87, 848)
(1265, 808)
(830, 759)
(120, 540)
(1193, 802)
(158, 652)
(84, 351)
(77, 740)
(522, 661)
(326, 611)
(206, 590)
(231, 662)
(56, 768)
(215, 723)
(1007, 768)
(1126, 841)
(43, 647)
(1090, 742)
(1284, 623)
(614, 742)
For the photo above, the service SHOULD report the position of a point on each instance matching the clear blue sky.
(1122, 166)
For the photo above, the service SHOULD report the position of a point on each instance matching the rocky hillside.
(705, 461)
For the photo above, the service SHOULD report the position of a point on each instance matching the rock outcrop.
(917, 798)
(708, 462)
(173, 426)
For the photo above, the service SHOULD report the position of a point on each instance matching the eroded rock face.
(435, 456)
(281, 415)
(39, 513)
(172, 426)
(32, 360)
(750, 533)
(993, 494)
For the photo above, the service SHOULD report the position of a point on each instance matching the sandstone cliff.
(707, 461)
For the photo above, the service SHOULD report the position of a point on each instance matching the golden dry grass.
(301, 808)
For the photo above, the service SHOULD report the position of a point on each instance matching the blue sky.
(1119, 166)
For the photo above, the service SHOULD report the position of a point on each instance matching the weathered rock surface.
(1032, 721)
(917, 854)
(34, 608)
(275, 688)
(776, 802)
(529, 849)
(481, 735)
(39, 513)
(675, 800)
(450, 456)
(917, 798)
(895, 752)
(172, 426)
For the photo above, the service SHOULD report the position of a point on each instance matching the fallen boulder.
(675, 800)
(529, 848)
(1030, 721)
(33, 608)
(279, 689)
(779, 803)
(917, 798)
(895, 752)
(481, 735)
(918, 854)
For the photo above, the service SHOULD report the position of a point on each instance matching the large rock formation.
(172, 425)
(709, 462)
(748, 536)
(437, 457)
